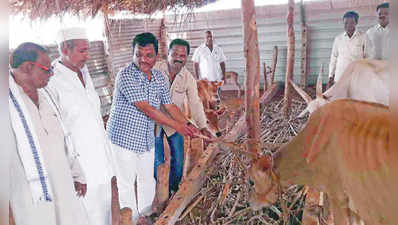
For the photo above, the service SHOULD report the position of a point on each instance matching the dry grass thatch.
(46, 8)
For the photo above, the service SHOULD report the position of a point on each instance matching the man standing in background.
(209, 60)
(350, 46)
(80, 107)
(379, 34)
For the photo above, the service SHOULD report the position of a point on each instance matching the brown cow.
(344, 148)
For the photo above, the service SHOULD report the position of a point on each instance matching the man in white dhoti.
(81, 112)
(45, 167)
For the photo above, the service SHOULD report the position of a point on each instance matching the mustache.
(178, 61)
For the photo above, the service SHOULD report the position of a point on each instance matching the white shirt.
(380, 37)
(209, 62)
(347, 50)
(81, 112)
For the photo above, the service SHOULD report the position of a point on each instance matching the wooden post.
(304, 57)
(290, 59)
(108, 52)
(265, 77)
(274, 63)
(162, 39)
(252, 56)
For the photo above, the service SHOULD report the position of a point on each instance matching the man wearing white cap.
(80, 108)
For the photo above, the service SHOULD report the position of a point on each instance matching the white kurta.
(66, 208)
(80, 108)
(380, 38)
(209, 62)
(347, 50)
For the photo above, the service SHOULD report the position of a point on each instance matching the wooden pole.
(109, 52)
(252, 56)
(162, 39)
(265, 77)
(304, 57)
(274, 63)
(290, 59)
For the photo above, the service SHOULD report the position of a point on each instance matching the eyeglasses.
(48, 70)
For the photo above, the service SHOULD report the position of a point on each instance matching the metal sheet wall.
(122, 32)
(324, 21)
(98, 69)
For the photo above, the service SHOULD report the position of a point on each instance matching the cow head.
(265, 191)
(208, 93)
(319, 101)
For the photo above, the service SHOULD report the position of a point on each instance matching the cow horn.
(302, 114)
(319, 83)
(301, 92)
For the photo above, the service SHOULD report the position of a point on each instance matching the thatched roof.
(46, 8)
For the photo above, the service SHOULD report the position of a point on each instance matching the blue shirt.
(128, 126)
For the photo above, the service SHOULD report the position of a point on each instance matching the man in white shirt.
(350, 46)
(380, 33)
(209, 60)
(80, 107)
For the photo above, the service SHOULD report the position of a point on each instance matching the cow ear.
(220, 83)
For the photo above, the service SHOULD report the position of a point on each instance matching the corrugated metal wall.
(324, 21)
(98, 69)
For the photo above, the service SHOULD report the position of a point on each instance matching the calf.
(344, 148)
(208, 94)
(364, 80)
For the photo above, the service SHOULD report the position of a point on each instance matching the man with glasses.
(139, 92)
(80, 108)
(380, 33)
(45, 175)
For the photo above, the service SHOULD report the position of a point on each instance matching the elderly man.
(44, 171)
(209, 60)
(80, 108)
(139, 92)
(350, 46)
(183, 85)
(380, 33)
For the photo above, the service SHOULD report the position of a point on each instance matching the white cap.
(70, 34)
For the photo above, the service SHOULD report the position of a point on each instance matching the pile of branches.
(224, 199)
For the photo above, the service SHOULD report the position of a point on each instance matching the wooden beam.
(304, 56)
(273, 68)
(115, 206)
(188, 188)
(290, 58)
(252, 56)
(265, 87)
(162, 39)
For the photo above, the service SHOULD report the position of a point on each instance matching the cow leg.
(311, 208)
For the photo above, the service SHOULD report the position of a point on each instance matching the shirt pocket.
(178, 97)
(357, 50)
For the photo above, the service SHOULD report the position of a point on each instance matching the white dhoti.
(132, 167)
(64, 207)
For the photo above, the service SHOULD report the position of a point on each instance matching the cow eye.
(251, 182)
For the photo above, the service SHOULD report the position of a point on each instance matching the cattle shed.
(322, 18)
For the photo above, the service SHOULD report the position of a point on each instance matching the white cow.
(363, 80)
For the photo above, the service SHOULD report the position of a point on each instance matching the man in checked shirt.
(139, 92)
